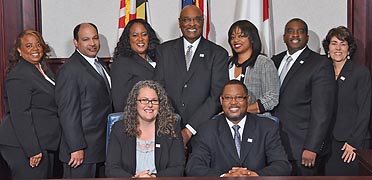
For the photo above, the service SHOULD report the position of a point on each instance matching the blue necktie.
(285, 69)
(101, 72)
(237, 138)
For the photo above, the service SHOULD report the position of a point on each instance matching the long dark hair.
(15, 56)
(249, 30)
(123, 46)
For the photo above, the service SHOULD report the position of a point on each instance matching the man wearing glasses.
(193, 71)
(237, 143)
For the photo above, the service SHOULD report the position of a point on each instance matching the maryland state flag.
(131, 9)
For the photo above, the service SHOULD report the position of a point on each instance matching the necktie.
(285, 69)
(101, 72)
(188, 56)
(237, 138)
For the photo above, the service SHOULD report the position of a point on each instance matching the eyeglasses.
(147, 101)
(186, 20)
(238, 36)
(236, 98)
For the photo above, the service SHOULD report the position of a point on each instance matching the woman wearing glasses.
(134, 60)
(256, 71)
(147, 142)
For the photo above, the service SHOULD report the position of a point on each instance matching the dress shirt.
(91, 62)
(294, 57)
(241, 129)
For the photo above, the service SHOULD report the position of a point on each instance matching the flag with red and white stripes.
(259, 13)
(203, 5)
(129, 10)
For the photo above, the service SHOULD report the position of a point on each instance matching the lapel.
(159, 141)
(179, 51)
(42, 83)
(345, 73)
(301, 60)
(249, 138)
(227, 140)
(90, 70)
(132, 147)
(142, 62)
(197, 59)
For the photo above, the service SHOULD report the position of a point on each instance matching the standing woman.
(134, 60)
(147, 142)
(256, 71)
(352, 115)
(30, 131)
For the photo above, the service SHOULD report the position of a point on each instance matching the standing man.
(84, 101)
(306, 100)
(193, 71)
(237, 143)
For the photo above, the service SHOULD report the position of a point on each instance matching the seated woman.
(256, 71)
(147, 142)
(134, 60)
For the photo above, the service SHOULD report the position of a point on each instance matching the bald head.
(191, 23)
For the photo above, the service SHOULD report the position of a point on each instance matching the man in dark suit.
(83, 98)
(193, 71)
(306, 100)
(219, 150)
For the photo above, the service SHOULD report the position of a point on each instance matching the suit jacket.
(194, 93)
(83, 105)
(214, 151)
(31, 119)
(121, 154)
(354, 105)
(125, 73)
(306, 103)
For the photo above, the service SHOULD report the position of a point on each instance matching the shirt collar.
(194, 45)
(296, 54)
(241, 123)
(89, 59)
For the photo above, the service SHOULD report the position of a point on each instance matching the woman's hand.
(349, 155)
(35, 160)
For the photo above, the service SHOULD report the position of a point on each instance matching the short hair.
(77, 28)
(250, 30)
(165, 119)
(306, 28)
(342, 33)
(123, 45)
(236, 82)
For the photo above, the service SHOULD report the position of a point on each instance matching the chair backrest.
(111, 119)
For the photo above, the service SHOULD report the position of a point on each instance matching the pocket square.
(249, 140)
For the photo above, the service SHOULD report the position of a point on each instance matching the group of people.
(187, 107)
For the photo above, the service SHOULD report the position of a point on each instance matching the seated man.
(255, 150)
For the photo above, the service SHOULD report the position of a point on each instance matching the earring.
(328, 55)
(348, 55)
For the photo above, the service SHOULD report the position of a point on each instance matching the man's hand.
(35, 160)
(349, 154)
(240, 172)
(76, 158)
(144, 174)
(186, 136)
(308, 158)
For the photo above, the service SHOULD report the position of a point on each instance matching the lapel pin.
(249, 140)
(301, 62)
(342, 78)
(157, 145)
(201, 55)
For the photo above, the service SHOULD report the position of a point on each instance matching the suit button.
(185, 86)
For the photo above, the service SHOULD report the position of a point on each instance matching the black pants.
(20, 167)
(85, 170)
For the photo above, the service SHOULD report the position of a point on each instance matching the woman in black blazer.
(30, 131)
(133, 61)
(350, 130)
(147, 142)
